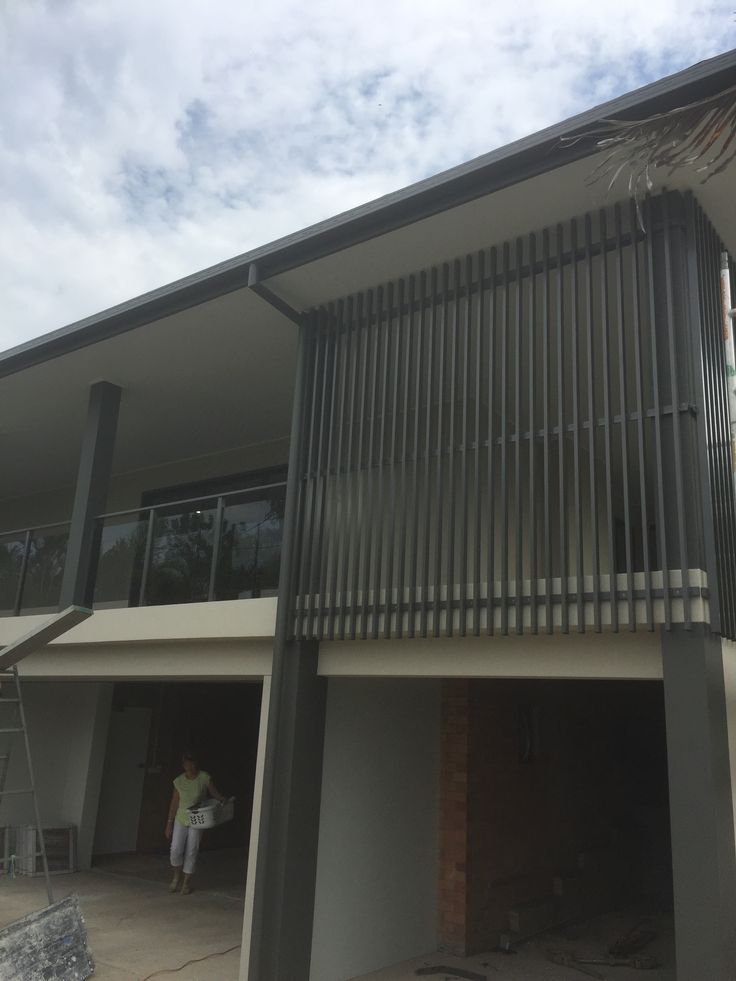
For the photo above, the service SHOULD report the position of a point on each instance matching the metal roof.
(490, 172)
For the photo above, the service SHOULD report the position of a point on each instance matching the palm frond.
(700, 137)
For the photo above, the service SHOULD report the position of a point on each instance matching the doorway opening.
(150, 725)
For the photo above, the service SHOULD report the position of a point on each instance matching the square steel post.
(90, 497)
(286, 858)
(701, 807)
(701, 804)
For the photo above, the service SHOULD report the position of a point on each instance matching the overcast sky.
(142, 140)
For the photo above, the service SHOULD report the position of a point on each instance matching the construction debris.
(566, 958)
(641, 962)
(50, 943)
(634, 940)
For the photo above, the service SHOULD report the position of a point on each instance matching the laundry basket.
(210, 813)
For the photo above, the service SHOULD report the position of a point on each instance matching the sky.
(143, 140)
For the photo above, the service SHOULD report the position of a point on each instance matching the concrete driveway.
(137, 929)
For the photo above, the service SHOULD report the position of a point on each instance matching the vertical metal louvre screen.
(499, 443)
(708, 248)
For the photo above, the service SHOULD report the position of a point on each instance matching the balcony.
(203, 549)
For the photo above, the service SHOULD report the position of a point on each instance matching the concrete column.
(90, 497)
(701, 806)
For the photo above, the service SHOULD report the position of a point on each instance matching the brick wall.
(509, 819)
(453, 848)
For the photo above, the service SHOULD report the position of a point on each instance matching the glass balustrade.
(217, 548)
(31, 569)
(12, 549)
(46, 559)
(250, 547)
(226, 547)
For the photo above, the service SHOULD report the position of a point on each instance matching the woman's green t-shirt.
(190, 792)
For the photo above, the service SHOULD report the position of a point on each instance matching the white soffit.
(215, 376)
(529, 206)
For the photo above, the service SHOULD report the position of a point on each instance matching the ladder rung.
(11, 730)
(24, 790)
(4, 757)
(15, 701)
(19, 858)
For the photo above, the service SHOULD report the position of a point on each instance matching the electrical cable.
(195, 960)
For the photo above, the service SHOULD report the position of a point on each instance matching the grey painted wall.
(376, 896)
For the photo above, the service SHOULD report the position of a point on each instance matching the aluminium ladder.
(14, 704)
(9, 659)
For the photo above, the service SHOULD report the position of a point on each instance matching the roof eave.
(511, 164)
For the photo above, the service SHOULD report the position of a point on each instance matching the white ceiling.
(216, 376)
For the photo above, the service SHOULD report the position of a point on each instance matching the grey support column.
(701, 807)
(286, 860)
(93, 479)
(287, 848)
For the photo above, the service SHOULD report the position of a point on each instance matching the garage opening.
(464, 817)
(150, 725)
(553, 807)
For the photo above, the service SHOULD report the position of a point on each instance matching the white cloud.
(142, 141)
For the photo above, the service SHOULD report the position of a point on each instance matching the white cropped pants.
(185, 847)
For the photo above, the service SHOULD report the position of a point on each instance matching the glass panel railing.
(218, 548)
(122, 544)
(226, 547)
(181, 555)
(44, 570)
(250, 549)
(12, 548)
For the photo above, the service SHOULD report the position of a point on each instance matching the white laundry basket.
(210, 813)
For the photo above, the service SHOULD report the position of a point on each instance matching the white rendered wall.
(67, 727)
(729, 674)
(632, 656)
(231, 638)
(376, 895)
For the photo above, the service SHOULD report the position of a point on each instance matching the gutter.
(516, 162)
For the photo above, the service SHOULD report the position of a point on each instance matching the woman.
(190, 788)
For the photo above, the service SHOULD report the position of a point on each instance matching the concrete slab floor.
(137, 928)
(530, 963)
